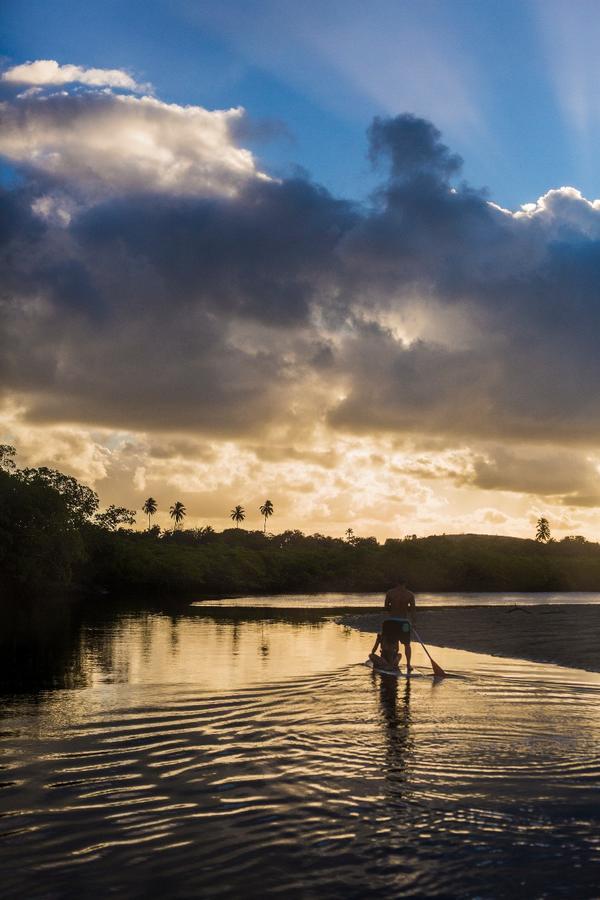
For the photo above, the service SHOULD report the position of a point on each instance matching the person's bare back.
(399, 601)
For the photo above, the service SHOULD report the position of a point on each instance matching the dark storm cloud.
(154, 312)
(274, 302)
(268, 254)
(526, 286)
(414, 148)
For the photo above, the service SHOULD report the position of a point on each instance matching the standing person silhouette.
(400, 604)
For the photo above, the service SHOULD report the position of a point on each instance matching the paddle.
(437, 669)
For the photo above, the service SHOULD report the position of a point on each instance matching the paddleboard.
(395, 673)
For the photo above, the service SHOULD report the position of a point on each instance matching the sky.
(341, 255)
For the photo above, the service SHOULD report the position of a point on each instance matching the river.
(202, 753)
(441, 599)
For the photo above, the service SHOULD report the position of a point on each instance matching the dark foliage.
(237, 561)
(40, 547)
(51, 539)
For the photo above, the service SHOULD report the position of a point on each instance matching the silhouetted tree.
(206, 533)
(115, 516)
(352, 539)
(7, 455)
(177, 512)
(39, 546)
(542, 531)
(82, 502)
(150, 507)
(238, 514)
(266, 510)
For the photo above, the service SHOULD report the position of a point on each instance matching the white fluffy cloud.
(562, 212)
(102, 143)
(44, 72)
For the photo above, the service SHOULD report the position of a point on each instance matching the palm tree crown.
(266, 510)
(542, 531)
(238, 514)
(150, 507)
(177, 512)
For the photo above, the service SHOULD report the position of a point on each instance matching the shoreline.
(562, 635)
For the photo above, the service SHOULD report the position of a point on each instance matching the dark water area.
(210, 754)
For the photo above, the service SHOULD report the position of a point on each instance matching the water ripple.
(336, 782)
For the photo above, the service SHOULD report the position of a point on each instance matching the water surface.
(368, 600)
(201, 755)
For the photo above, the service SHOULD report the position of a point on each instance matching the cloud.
(100, 143)
(155, 282)
(571, 479)
(414, 148)
(202, 307)
(525, 286)
(45, 72)
(564, 214)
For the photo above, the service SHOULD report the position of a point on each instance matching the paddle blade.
(437, 670)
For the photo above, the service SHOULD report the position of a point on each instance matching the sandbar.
(566, 635)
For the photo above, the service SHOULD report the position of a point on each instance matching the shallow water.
(468, 598)
(195, 755)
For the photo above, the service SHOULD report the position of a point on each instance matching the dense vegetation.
(53, 538)
(238, 561)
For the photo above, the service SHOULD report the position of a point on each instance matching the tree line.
(54, 538)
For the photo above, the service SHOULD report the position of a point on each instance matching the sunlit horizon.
(371, 297)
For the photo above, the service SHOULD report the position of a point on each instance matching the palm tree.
(266, 510)
(542, 531)
(150, 508)
(177, 512)
(238, 515)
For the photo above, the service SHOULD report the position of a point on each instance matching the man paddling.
(400, 605)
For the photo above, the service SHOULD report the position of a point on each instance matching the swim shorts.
(396, 630)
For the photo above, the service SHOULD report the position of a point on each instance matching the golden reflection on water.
(494, 706)
(219, 655)
(268, 747)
